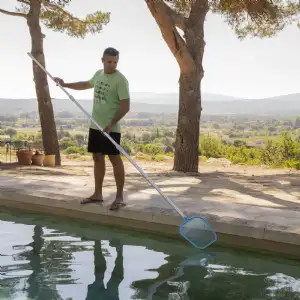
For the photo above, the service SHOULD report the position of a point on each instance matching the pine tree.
(53, 15)
(181, 23)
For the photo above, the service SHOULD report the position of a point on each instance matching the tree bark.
(189, 55)
(49, 133)
(186, 158)
(12, 13)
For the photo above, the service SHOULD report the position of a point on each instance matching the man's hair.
(111, 52)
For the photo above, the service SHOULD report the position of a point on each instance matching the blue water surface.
(45, 258)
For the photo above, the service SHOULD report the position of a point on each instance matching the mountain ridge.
(205, 97)
(168, 103)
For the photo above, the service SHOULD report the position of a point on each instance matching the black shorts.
(99, 143)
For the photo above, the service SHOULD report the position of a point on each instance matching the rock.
(224, 161)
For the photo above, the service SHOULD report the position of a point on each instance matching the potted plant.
(24, 152)
(38, 158)
(24, 156)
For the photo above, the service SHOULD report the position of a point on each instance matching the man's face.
(110, 63)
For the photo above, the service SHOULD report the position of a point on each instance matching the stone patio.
(247, 207)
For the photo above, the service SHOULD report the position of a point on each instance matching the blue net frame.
(197, 231)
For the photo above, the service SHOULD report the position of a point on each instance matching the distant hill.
(286, 105)
(172, 98)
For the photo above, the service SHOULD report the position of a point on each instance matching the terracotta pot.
(38, 159)
(24, 157)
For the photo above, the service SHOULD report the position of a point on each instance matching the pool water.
(48, 258)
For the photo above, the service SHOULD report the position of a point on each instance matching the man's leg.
(118, 168)
(99, 173)
(119, 174)
(95, 146)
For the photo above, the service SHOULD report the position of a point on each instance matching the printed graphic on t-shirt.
(101, 91)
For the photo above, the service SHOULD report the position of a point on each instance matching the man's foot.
(117, 204)
(92, 199)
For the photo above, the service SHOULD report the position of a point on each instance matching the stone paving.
(264, 205)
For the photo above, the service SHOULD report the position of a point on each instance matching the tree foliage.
(181, 23)
(254, 18)
(55, 16)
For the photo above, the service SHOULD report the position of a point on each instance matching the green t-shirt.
(109, 90)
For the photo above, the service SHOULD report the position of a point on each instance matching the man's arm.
(123, 94)
(123, 110)
(80, 85)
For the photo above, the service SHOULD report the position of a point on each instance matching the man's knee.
(115, 159)
(98, 157)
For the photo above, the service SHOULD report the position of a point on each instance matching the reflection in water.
(38, 286)
(199, 260)
(75, 261)
(97, 287)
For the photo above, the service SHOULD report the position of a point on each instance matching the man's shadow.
(97, 290)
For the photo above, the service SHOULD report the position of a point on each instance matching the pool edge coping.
(231, 232)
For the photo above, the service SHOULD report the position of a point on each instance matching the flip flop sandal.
(89, 200)
(116, 205)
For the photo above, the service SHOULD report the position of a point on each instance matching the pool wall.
(233, 233)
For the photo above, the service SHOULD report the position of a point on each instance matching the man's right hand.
(59, 81)
(81, 85)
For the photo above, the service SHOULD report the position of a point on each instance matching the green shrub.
(75, 149)
(67, 142)
(294, 164)
(211, 146)
(283, 153)
(151, 149)
(127, 146)
(243, 155)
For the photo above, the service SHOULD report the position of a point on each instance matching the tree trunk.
(49, 133)
(188, 51)
(187, 135)
(188, 128)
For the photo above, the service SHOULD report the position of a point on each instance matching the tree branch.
(194, 34)
(56, 7)
(199, 9)
(11, 13)
(24, 1)
(175, 42)
(178, 19)
(55, 17)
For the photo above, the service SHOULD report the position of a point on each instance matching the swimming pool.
(49, 258)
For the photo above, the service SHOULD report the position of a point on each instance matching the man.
(111, 104)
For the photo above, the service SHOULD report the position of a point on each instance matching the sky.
(252, 68)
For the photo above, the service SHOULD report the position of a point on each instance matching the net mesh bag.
(198, 232)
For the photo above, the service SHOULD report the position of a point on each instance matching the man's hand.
(59, 81)
(108, 128)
